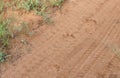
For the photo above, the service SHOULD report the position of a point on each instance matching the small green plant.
(57, 3)
(40, 7)
(30, 5)
(2, 57)
(4, 33)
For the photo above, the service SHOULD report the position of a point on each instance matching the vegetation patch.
(7, 27)
(57, 3)
(30, 5)
(40, 7)
(2, 56)
(4, 33)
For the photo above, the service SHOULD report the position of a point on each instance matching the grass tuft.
(2, 57)
(30, 5)
(40, 7)
(4, 34)
(56, 3)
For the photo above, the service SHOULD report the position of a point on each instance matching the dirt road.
(83, 43)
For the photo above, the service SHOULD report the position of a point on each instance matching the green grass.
(57, 3)
(30, 5)
(2, 57)
(40, 7)
(4, 33)
(7, 28)
(37, 6)
(34, 5)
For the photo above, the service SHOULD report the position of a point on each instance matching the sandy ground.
(84, 42)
